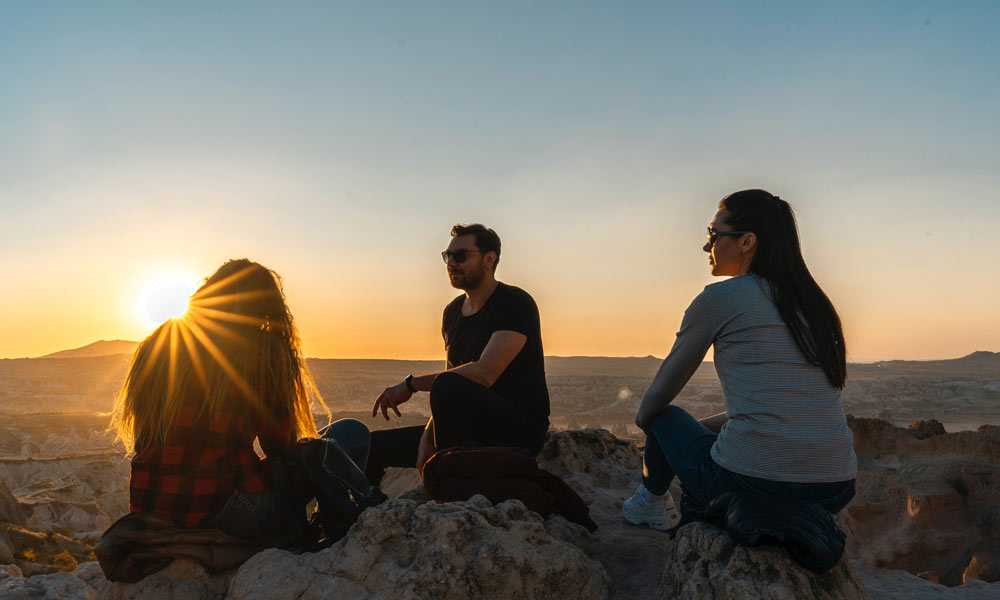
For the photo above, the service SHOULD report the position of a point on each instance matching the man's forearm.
(423, 383)
(473, 371)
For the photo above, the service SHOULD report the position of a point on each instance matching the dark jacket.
(142, 543)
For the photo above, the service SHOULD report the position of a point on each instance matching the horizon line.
(441, 359)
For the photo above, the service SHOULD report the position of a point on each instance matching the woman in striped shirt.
(780, 356)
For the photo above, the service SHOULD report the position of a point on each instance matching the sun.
(165, 297)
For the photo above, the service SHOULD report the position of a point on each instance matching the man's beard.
(466, 281)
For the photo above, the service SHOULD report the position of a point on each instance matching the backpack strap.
(341, 488)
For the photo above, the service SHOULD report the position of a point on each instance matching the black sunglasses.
(713, 236)
(459, 255)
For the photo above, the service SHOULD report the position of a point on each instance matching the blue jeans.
(353, 436)
(254, 516)
(678, 445)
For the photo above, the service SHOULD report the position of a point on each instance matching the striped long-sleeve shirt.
(786, 421)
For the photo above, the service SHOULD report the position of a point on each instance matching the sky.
(337, 143)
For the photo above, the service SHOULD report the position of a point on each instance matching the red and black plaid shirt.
(203, 459)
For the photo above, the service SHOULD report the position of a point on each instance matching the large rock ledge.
(704, 563)
(927, 502)
(404, 549)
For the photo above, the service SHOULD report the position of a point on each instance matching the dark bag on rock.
(341, 489)
(502, 473)
(804, 528)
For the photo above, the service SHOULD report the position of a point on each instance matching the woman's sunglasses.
(713, 236)
(459, 255)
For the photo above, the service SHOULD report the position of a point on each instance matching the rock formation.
(58, 586)
(703, 563)
(886, 584)
(405, 549)
(927, 501)
(83, 494)
(915, 496)
(455, 550)
(181, 580)
(605, 470)
(10, 510)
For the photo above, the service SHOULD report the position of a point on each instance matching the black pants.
(465, 414)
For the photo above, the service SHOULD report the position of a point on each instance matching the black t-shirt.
(509, 308)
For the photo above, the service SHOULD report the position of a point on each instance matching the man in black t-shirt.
(493, 392)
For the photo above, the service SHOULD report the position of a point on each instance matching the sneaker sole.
(657, 525)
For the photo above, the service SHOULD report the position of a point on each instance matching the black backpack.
(341, 489)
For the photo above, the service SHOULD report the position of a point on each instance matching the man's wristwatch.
(408, 380)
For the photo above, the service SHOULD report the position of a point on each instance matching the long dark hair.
(806, 310)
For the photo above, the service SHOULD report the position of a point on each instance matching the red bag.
(502, 473)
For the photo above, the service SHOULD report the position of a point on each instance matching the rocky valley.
(925, 522)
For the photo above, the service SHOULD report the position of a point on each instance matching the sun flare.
(165, 297)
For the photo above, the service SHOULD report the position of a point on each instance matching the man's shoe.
(645, 508)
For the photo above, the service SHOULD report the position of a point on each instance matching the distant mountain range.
(98, 348)
(978, 365)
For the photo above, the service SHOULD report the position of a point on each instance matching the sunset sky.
(338, 144)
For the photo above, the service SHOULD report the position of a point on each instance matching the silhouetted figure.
(202, 387)
(493, 392)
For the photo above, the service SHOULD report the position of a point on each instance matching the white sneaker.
(646, 508)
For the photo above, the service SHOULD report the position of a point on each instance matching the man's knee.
(448, 390)
(447, 384)
(450, 396)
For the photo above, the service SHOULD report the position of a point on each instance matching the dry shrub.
(65, 560)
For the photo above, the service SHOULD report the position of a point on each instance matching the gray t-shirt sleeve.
(698, 331)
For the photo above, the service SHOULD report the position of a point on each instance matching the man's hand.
(391, 397)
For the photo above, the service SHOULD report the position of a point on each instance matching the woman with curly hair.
(201, 388)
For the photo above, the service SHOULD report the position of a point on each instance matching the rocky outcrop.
(58, 586)
(10, 510)
(181, 580)
(605, 470)
(10, 571)
(82, 494)
(925, 429)
(704, 563)
(57, 515)
(927, 501)
(37, 553)
(885, 584)
(454, 550)
(405, 549)
(917, 498)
